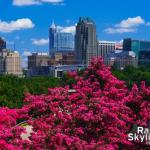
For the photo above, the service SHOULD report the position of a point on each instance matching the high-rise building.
(38, 60)
(63, 42)
(144, 58)
(13, 63)
(127, 44)
(52, 33)
(85, 41)
(136, 46)
(105, 47)
(60, 41)
(10, 62)
(2, 44)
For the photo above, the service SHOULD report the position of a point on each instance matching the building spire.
(53, 24)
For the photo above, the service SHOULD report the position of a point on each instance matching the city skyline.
(27, 22)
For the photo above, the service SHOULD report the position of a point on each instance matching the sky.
(26, 22)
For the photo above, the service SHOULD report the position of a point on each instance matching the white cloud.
(25, 2)
(119, 30)
(52, 1)
(35, 2)
(69, 29)
(126, 26)
(43, 41)
(26, 53)
(24, 23)
(40, 42)
(131, 22)
(148, 23)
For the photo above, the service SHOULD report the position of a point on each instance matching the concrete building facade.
(56, 71)
(13, 63)
(10, 62)
(38, 59)
(121, 59)
(105, 47)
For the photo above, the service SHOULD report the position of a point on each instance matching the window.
(59, 74)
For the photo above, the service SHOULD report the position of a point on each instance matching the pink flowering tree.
(97, 114)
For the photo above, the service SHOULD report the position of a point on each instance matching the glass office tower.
(63, 42)
(136, 46)
(60, 41)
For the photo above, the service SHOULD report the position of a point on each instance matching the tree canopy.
(98, 113)
(13, 89)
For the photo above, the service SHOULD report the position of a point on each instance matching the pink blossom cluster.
(97, 115)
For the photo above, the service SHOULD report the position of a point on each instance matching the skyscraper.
(136, 46)
(13, 63)
(63, 42)
(10, 62)
(60, 41)
(85, 41)
(2, 44)
(52, 33)
(105, 47)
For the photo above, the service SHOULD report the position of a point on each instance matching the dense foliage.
(133, 75)
(12, 88)
(97, 115)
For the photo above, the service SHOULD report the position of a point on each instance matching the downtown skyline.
(26, 22)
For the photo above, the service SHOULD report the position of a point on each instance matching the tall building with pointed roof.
(52, 32)
(53, 26)
(60, 41)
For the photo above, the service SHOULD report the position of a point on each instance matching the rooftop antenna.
(37, 49)
(14, 46)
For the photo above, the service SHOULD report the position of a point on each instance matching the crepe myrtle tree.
(97, 114)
